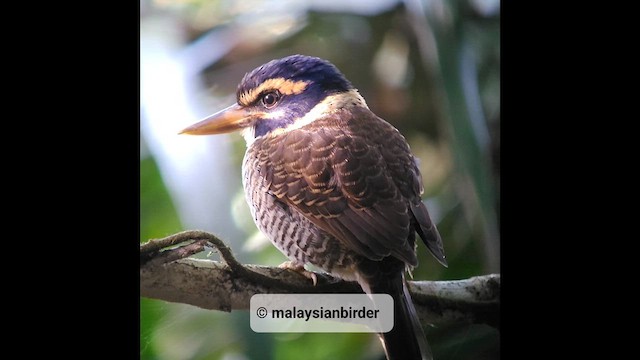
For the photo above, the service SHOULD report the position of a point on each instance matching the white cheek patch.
(248, 134)
(278, 114)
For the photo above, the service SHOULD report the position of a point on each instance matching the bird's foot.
(299, 268)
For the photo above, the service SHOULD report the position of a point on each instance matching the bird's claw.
(299, 268)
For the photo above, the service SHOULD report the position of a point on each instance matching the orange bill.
(233, 118)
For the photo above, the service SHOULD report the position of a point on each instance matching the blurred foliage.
(158, 218)
(432, 69)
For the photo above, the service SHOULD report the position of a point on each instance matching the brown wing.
(352, 175)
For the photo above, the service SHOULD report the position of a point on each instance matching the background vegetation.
(431, 68)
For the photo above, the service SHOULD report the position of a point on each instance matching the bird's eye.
(270, 99)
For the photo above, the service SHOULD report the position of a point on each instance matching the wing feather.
(352, 174)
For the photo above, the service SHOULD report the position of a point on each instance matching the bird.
(331, 184)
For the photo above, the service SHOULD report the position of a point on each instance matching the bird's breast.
(346, 179)
(294, 234)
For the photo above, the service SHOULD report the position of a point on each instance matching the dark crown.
(323, 78)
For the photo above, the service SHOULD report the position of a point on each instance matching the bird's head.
(281, 95)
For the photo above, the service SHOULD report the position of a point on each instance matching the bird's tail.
(406, 341)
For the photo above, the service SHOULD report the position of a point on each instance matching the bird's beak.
(235, 117)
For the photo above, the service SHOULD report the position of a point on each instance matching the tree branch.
(167, 274)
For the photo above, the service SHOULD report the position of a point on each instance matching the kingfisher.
(332, 184)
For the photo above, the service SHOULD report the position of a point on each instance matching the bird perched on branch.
(332, 184)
